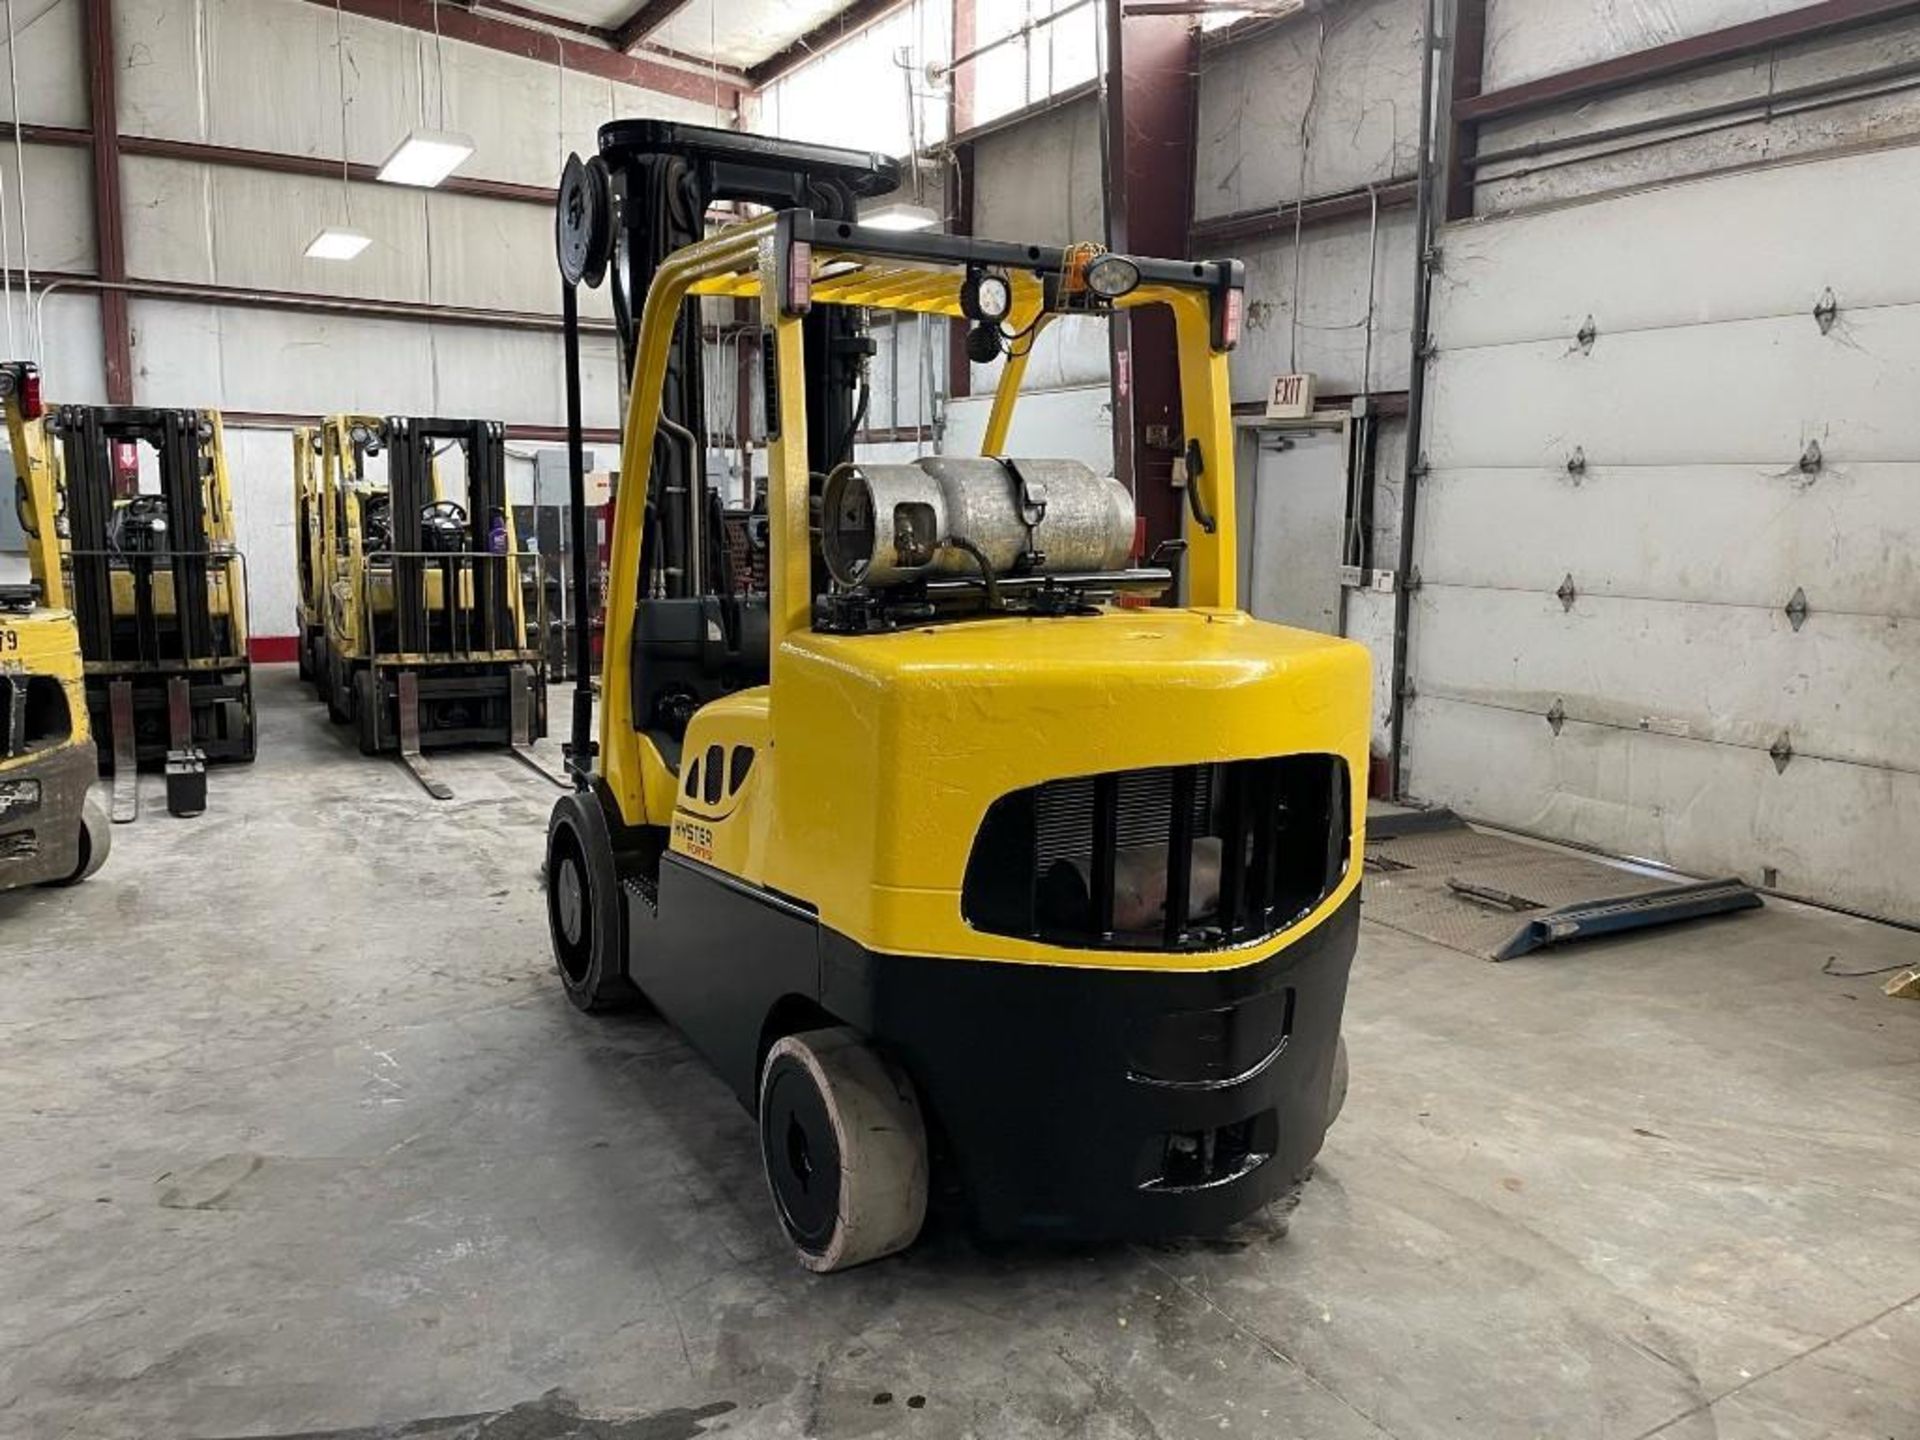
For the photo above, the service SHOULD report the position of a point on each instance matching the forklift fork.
(186, 762)
(520, 741)
(410, 756)
(126, 774)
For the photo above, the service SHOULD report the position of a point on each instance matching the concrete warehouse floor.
(301, 1137)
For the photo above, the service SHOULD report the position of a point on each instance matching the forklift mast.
(87, 434)
(413, 496)
(664, 176)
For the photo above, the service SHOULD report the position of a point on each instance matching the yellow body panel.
(221, 593)
(37, 479)
(730, 832)
(876, 757)
(46, 642)
(880, 760)
(309, 538)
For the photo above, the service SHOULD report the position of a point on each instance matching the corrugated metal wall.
(1648, 434)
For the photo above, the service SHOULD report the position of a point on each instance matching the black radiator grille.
(1177, 858)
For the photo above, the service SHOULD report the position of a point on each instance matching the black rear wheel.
(845, 1149)
(584, 917)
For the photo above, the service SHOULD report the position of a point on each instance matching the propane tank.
(941, 515)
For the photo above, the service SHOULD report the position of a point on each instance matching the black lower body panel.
(1068, 1101)
(720, 958)
(1093, 1103)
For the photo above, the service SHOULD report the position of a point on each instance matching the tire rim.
(802, 1155)
(568, 909)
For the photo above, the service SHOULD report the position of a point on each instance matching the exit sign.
(1291, 397)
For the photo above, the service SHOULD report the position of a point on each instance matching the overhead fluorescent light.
(336, 242)
(425, 158)
(900, 215)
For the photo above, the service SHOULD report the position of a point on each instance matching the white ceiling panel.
(741, 33)
(605, 14)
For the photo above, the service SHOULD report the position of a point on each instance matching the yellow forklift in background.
(51, 831)
(427, 639)
(964, 876)
(309, 558)
(157, 584)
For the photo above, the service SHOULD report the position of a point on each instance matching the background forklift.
(310, 569)
(426, 640)
(957, 872)
(157, 584)
(51, 831)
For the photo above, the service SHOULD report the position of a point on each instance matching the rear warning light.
(22, 381)
(1230, 320)
(799, 277)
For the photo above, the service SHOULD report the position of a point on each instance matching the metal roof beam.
(509, 38)
(646, 18)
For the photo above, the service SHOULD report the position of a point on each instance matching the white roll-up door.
(1669, 540)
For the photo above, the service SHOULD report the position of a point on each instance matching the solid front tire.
(96, 840)
(1337, 1087)
(365, 712)
(584, 917)
(845, 1149)
(332, 684)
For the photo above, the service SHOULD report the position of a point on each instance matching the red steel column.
(960, 185)
(109, 239)
(1152, 62)
(1465, 71)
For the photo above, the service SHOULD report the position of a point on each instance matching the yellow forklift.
(427, 640)
(963, 874)
(308, 555)
(51, 832)
(158, 585)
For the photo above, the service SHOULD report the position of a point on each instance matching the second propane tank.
(945, 516)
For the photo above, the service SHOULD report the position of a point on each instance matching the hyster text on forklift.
(964, 867)
(51, 832)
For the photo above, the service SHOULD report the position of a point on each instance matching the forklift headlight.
(1111, 276)
(18, 797)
